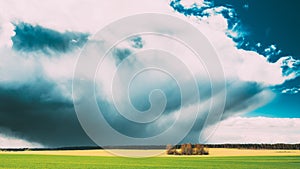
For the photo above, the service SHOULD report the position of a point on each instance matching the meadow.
(22, 161)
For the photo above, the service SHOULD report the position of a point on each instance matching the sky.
(43, 45)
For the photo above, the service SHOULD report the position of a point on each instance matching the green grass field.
(68, 162)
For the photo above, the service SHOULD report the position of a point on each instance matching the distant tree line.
(185, 147)
(257, 146)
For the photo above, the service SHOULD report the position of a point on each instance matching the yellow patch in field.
(213, 152)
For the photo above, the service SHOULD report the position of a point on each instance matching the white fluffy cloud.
(257, 130)
(90, 16)
(293, 90)
(15, 142)
(192, 2)
(82, 15)
(9, 142)
(254, 67)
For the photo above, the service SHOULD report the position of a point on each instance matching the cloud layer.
(38, 54)
(29, 38)
(257, 130)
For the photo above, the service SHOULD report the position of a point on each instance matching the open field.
(213, 152)
(218, 158)
(22, 161)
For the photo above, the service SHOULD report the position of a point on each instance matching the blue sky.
(256, 42)
(276, 24)
(268, 24)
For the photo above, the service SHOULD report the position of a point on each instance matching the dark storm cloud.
(236, 100)
(121, 54)
(140, 100)
(194, 11)
(137, 42)
(30, 38)
(38, 112)
(239, 98)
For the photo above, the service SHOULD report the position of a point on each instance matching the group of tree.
(187, 149)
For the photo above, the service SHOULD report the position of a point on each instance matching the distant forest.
(257, 146)
(238, 146)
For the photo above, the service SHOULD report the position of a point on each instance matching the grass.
(22, 161)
